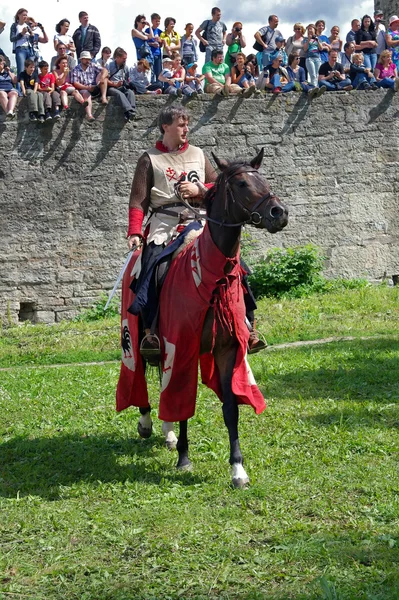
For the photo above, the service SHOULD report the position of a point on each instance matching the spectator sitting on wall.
(351, 35)
(332, 76)
(380, 31)
(189, 46)
(86, 37)
(295, 44)
(62, 84)
(90, 80)
(279, 51)
(155, 44)
(29, 82)
(366, 40)
(266, 38)
(241, 75)
(51, 98)
(8, 94)
(252, 63)
(362, 76)
(141, 39)
(194, 79)
(276, 77)
(64, 37)
(297, 77)
(140, 79)
(335, 40)
(217, 76)
(118, 84)
(235, 42)
(171, 41)
(105, 59)
(212, 33)
(346, 56)
(62, 52)
(386, 73)
(171, 85)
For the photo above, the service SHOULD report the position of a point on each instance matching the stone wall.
(64, 189)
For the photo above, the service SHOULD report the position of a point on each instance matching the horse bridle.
(255, 217)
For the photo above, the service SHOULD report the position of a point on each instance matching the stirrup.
(256, 344)
(150, 349)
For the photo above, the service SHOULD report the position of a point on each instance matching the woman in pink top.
(385, 72)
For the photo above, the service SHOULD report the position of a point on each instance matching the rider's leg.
(255, 344)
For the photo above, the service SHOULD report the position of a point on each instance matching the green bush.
(289, 270)
(295, 273)
(96, 311)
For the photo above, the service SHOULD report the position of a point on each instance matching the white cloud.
(115, 19)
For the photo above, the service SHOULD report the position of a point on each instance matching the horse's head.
(248, 198)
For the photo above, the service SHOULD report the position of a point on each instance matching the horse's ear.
(257, 161)
(221, 163)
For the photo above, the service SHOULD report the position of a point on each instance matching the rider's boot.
(255, 343)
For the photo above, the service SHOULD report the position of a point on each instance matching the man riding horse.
(171, 170)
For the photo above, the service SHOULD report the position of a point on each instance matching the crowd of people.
(308, 61)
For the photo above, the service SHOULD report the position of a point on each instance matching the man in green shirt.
(218, 78)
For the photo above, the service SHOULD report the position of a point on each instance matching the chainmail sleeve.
(139, 202)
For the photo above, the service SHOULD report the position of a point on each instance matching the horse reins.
(252, 213)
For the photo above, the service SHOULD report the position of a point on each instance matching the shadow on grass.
(42, 466)
(359, 372)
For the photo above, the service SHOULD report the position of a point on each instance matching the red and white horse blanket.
(195, 281)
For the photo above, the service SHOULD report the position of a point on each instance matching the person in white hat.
(392, 38)
(91, 80)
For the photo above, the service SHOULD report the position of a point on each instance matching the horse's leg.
(225, 360)
(144, 426)
(184, 462)
(170, 436)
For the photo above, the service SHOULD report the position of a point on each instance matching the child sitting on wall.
(29, 82)
(51, 98)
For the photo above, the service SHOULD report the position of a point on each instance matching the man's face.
(273, 22)
(218, 59)
(155, 23)
(61, 49)
(216, 16)
(30, 69)
(84, 20)
(378, 18)
(332, 58)
(120, 60)
(356, 25)
(177, 131)
(351, 48)
(85, 62)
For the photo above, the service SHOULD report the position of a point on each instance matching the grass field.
(90, 511)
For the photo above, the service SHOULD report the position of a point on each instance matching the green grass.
(90, 511)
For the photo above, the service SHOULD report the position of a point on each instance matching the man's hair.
(119, 52)
(61, 45)
(214, 10)
(155, 16)
(320, 21)
(272, 17)
(347, 44)
(82, 13)
(215, 52)
(42, 64)
(332, 50)
(170, 114)
(59, 25)
(354, 21)
(29, 62)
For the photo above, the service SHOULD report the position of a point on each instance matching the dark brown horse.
(240, 196)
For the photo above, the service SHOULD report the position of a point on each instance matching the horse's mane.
(233, 166)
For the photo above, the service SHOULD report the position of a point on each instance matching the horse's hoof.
(184, 465)
(171, 444)
(144, 432)
(240, 483)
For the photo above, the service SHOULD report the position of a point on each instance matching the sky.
(115, 18)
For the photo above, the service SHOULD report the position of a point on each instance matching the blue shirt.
(157, 31)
